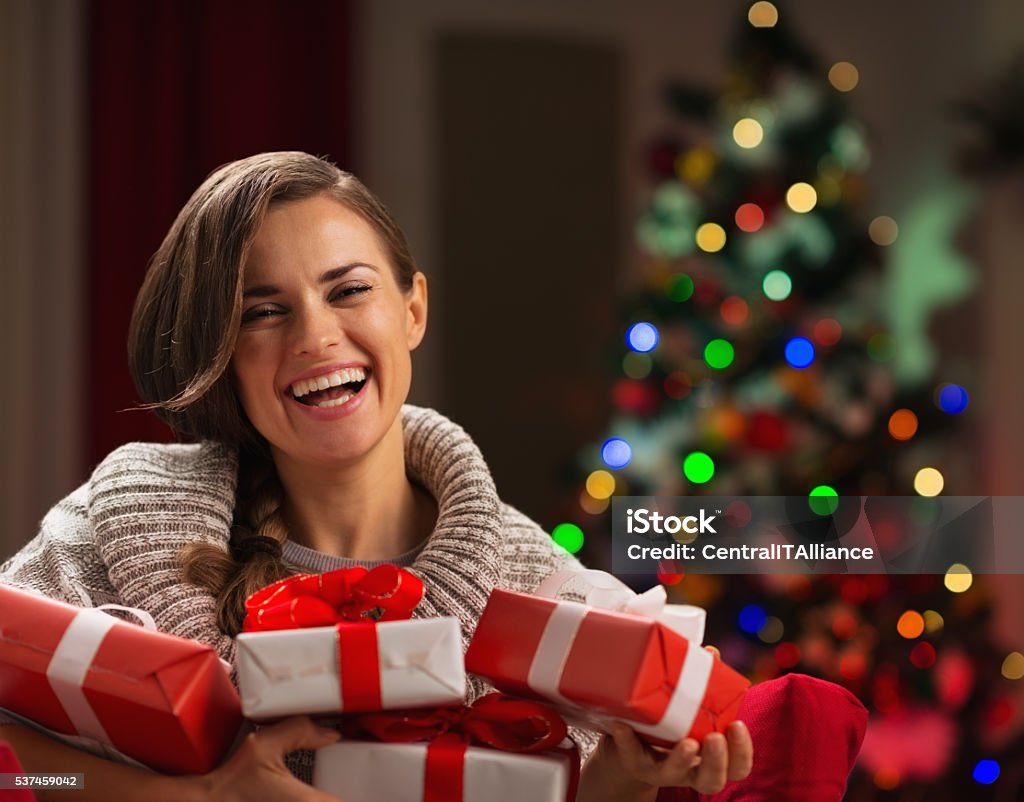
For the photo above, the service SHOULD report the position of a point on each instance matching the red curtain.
(178, 87)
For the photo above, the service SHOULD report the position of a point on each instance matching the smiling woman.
(275, 329)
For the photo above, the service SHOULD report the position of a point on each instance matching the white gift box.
(296, 671)
(360, 771)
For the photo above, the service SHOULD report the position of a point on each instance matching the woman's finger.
(711, 774)
(741, 750)
(634, 757)
(678, 767)
(297, 732)
(714, 652)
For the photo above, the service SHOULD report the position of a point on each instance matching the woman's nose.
(315, 331)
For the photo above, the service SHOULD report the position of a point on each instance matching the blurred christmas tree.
(755, 360)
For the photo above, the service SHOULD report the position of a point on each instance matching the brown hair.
(183, 332)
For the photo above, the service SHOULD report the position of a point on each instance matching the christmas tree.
(755, 359)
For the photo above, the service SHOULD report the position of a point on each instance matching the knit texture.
(116, 538)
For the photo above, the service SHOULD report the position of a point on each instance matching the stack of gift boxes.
(344, 645)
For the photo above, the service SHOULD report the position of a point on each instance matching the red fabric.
(9, 765)
(359, 667)
(442, 776)
(177, 88)
(806, 734)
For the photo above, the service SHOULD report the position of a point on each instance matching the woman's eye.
(260, 313)
(349, 291)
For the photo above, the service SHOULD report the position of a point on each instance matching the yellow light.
(636, 366)
(1013, 666)
(600, 485)
(928, 482)
(883, 230)
(696, 165)
(829, 190)
(591, 505)
(763, 15)
(710, 237)
(801, 197)
(843, 76)
(910, 625)
(958, 578)
(772, 631)
(932, 621)
(748, 133)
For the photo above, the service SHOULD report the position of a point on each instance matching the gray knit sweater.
(115, 539)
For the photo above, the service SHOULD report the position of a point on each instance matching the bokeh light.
(636, 366)
(928, 482)
(749, 218)
(843, 76)
(642, 337)
(679, 288)
(883, 230)
(678, 385)
(952, 398)
(823, 500)
(880, 347)
(902, 424)
(772, 631)
(752, 618)
(600, 484)
(748, 133)
(958, 578)
(1013, 666)
(568, 536)
(696, 166)
(986, 772)
(801, 197)
(933, 622)
(910, 625)
(616, 452)
(698, 467)
(719, 353)
(799, 352)
(787, 655)
(734, 310)
(828, 331)
(922, 655)
(591, 505)
(710, 237)
(763, 15)
(777, 285)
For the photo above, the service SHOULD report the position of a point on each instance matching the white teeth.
(337, 402)
(335, 379)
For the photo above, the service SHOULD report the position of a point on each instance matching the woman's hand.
(624, 768)
(256, 771)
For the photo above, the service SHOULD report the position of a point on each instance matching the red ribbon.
(495, 720)
(385, 593)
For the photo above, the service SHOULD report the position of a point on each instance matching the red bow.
(495, 720)
(386, 593)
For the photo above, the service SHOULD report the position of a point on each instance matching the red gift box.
(162, 700)
(598, 665)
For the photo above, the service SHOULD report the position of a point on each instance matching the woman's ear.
(416, 308)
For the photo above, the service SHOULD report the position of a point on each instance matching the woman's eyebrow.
(267, 290)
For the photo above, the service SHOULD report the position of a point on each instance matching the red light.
(749, 217)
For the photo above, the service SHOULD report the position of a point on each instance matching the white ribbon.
(73, 657)
(604, 591)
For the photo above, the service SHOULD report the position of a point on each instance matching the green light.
(880, 347)
(698, 467)
(777, 285)
(679, 288)
(719, 354)
(568, 536)
(823, 500)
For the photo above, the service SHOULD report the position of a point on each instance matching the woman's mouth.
(332, 389)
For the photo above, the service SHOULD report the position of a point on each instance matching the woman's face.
(322, 362)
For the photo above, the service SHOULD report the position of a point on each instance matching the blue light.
(642, 337)
(986, 772)
(752, 619)
(953, 399)
(616, 452)
(799, 352)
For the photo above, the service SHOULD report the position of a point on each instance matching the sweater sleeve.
(62, 561)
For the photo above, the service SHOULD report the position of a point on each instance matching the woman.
(275, 327)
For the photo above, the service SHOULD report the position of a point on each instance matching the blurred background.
(673, 248)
